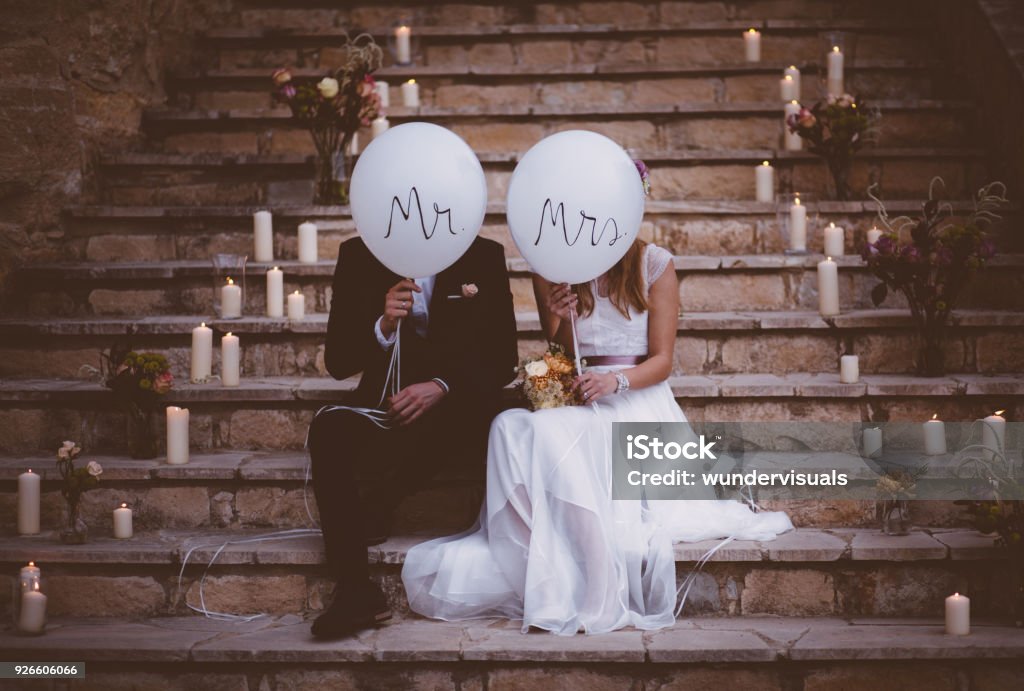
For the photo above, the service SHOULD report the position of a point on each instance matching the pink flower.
(469, 290)
(163, 383)
(806, 119)
(281, 76)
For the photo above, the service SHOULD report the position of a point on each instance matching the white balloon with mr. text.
(418, 198)
(575, 204)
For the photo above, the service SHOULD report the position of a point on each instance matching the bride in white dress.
(551, 547)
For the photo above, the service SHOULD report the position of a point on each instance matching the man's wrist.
(442, 384)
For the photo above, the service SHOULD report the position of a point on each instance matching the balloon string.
(575, 341)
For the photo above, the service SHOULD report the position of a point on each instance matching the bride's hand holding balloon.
(562, 301)
(594, 385)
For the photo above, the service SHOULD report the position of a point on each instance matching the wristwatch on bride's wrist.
(623, 382)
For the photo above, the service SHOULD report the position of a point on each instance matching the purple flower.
(910, 253)
(288, 92)
(645, 174)
(885, 245)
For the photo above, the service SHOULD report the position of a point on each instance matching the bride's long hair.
(625, 284)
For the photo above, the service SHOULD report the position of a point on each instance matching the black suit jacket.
(470, 342)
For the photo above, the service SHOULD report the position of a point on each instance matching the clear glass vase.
(332, 178)
(73, 530)
(895, 515)
(142, 434)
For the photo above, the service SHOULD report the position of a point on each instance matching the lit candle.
(872, 438)
(296, 306)
(797, 226)
(993, 433)
(28, 503)
(379, 126)
(382, 90)
(791, 139)
(935, 436)
(263, 236)
(764, 181)
(275, 292)
(788, 90)
(123, 522)
(834, 240)
(229, 360)
(411, 94)
(177, 435)
(230, 300)
(307, 243)
(32, 618)
(202, 353)
(849, 369)
(873, 235)
(403, 45)
(28, 575)
(752, 43)
(793, 73)
(828, 288)
(835, 72)
(958, 615)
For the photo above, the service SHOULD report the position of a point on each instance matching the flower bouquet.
(548, 381)
(138, 380)
(836, 129)
(76, 481)
(930, 259)
(333, 110)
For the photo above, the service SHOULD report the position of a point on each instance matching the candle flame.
(123, 505)
(832, 225)
(31, 563)
(228, 335)
(276, 269)
(411, 81)
(999, 412)
(787, 78)
(231, 282)
(35, 586)
(752, 31)
(202, 324)
(795, 102)
(935, 416)
(828, 258)
(295, 293)
(30, 470)
(797, 202)
(835, 49)
(765, 163)
(792, 67)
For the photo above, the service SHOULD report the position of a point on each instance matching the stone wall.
(77, 75)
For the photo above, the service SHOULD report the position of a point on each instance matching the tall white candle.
(230, 360)
(793, 73)
(29, 484)
(764, 182)
(230, 300)
(307, 243)
(296, 306)
(993, 433)
(403, 45)
(28, 576)
(263, 236)
(379, 126)
(792, 140)
(788, 90)
(275, 292)
(828, 288)
(177, 435)
(797, 226)
(835, 72)
(873, 235)
(202, 353)
(849, 369)
(122, 522)
(834, 240)
(411, 94)
(958, 615)
(32, 618)
(935, 436)
(752, 45)
(382, 90)
(872, 438)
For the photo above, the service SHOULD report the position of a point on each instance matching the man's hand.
(414, 400)
(397, 304)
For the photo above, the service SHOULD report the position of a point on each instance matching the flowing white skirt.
(551, 547)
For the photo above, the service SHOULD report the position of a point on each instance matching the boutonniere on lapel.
(469, 290)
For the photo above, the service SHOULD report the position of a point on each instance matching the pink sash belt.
(606, 360)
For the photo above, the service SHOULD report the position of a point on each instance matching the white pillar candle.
(28, 576)
(835, 72)
(873, 235)
(32, 618)
(797, 226)
(296, 306)
(792, 140)
(230, 300)
(834, 240)
(202, 353)
(177, 435)
(382, 91)
(123, 522)
(230, 360)
(872, 438)
(379, 126)
(275, 292)
(935, 436)
(993, 433)
(307, 243)
(828, 288)
(403, 45)
(788, 90)
(958, 615)
(353, 144)
(263, 236)
(752, 44)
(29, 484)
(411, 94)
(793, 72)
(764, 182)
(849, 369)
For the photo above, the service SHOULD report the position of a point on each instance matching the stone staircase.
(833, 604)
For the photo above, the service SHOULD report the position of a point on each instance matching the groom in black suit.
(458, 349)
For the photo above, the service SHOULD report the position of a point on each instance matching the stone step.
(807, 572)
(707, 342)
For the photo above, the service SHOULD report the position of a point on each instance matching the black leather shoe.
(351, 612)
